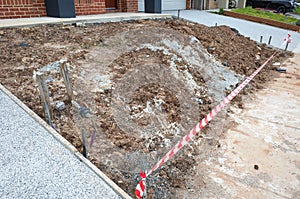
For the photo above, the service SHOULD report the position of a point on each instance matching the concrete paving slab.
(37, 163)
(101, 18)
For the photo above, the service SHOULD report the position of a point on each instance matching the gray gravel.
(246, 28)
(33, 164)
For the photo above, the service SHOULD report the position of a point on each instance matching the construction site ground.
(259, 156)
(146, 83)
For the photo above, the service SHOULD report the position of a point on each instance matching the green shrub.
(297, 10)
(221, 11)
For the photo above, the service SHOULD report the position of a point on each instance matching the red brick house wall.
(188, 4)
(126, 6)
(89, 7)
(129, 5)
(36, 8)
(22, 8)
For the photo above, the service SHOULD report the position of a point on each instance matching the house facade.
(36, 8)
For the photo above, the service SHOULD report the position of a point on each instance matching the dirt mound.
(146, 84)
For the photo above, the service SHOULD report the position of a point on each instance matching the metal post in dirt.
(43, 88)
(285, 16)
(270, 38)
(178, 14)
(65, 74)
(84, 148)
(287, 45)
(216, 24)
(261, 38)
(94, 131)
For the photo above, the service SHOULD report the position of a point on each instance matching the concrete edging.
(67, 144)
(264, 21)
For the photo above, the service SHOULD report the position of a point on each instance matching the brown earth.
(118, 50)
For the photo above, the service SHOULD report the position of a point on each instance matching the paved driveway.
(246, 28)
(34, 164)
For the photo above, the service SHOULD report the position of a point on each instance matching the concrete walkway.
(36, 162)
(246, 28)
(102, 18)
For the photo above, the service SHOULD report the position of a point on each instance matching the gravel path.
(33, 164)
(246, 28)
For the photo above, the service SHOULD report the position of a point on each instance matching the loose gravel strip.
(33, 164)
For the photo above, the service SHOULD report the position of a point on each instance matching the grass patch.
(297, 10)
(265, 14)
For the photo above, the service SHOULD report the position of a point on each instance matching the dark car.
(280, 6)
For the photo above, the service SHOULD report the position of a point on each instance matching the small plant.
(297, 10)
(221, 11)
(298, 22)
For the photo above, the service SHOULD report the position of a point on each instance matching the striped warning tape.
(288, 39)
(140, 188)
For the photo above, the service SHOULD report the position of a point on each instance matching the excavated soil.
(144, 83)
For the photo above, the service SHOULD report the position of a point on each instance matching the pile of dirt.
(145, 83)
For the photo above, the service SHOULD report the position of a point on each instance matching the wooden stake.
(178, 14)
(65, 74)
(43, 88)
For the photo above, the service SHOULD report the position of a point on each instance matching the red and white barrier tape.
(140, 188)
(288, 39)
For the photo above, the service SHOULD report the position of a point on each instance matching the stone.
(60, 106)
(257, 57)
(281, 70)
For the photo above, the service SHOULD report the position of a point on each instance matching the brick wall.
(89, 7)
(21, 8)
(129, 5)
(188, 4)
(36, 8)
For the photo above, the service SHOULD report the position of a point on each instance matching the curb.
(67, 144)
